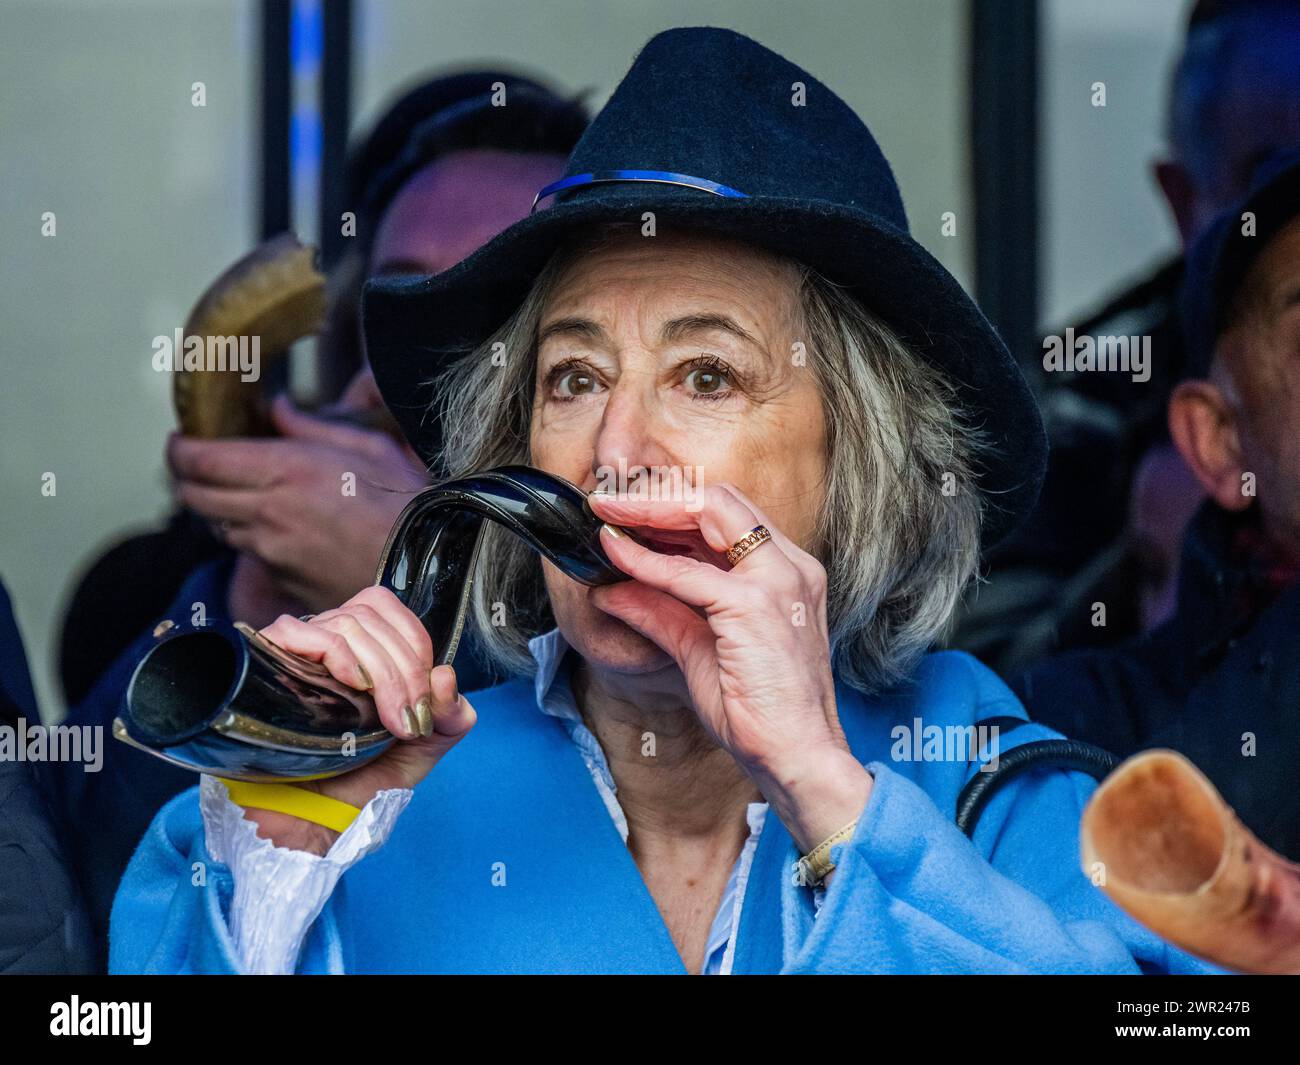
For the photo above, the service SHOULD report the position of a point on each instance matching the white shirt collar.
(551, 683)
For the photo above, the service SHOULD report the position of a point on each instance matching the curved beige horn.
(1160, 841)
(274, 293)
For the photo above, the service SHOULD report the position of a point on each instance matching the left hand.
(751, 642)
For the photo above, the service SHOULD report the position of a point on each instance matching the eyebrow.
(579, 328)
(679, 328)
(1277, 302)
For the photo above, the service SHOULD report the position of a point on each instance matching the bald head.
(457, 204)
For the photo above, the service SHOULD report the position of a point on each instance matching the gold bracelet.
(816, 865)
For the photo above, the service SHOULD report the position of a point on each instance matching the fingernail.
(412, 725)
(365, 677)
(615, 531)
(424, 716)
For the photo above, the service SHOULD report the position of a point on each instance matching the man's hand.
(311, 510)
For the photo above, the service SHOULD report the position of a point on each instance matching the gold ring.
(757, 535)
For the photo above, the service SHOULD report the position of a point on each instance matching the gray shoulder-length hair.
(899, 528)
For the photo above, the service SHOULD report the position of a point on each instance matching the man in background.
(1118, 494)
(443, 171)
(1220, 680)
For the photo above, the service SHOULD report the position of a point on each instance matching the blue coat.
(133, 786)
(507, 861)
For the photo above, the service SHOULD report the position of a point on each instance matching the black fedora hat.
(705, 132)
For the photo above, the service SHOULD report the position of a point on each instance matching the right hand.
(281, 504)
(373, 638)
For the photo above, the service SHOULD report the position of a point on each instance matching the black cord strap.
(1040, 754)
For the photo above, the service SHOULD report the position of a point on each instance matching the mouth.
(686, 542)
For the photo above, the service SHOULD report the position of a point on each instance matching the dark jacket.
(124, 592)
(1219, 682)
(1073, 549)
(42, 920)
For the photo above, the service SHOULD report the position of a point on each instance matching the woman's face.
(678, 353)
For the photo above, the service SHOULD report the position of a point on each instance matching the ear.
(1176, 183)
(1203, 425)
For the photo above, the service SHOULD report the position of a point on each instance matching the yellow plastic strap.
(297, 802)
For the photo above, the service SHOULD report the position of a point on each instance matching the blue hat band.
(657, 177)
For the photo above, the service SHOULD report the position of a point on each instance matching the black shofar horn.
(219, 698)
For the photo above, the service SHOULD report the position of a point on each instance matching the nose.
(630, 432)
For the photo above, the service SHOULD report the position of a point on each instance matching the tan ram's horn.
(274, 293)
(1161, 842)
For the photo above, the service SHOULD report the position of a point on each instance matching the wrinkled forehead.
(612, 269)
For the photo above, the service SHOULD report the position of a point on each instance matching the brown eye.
(705, 381)
(576, 383)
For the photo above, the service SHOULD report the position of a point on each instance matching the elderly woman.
(704, 771)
